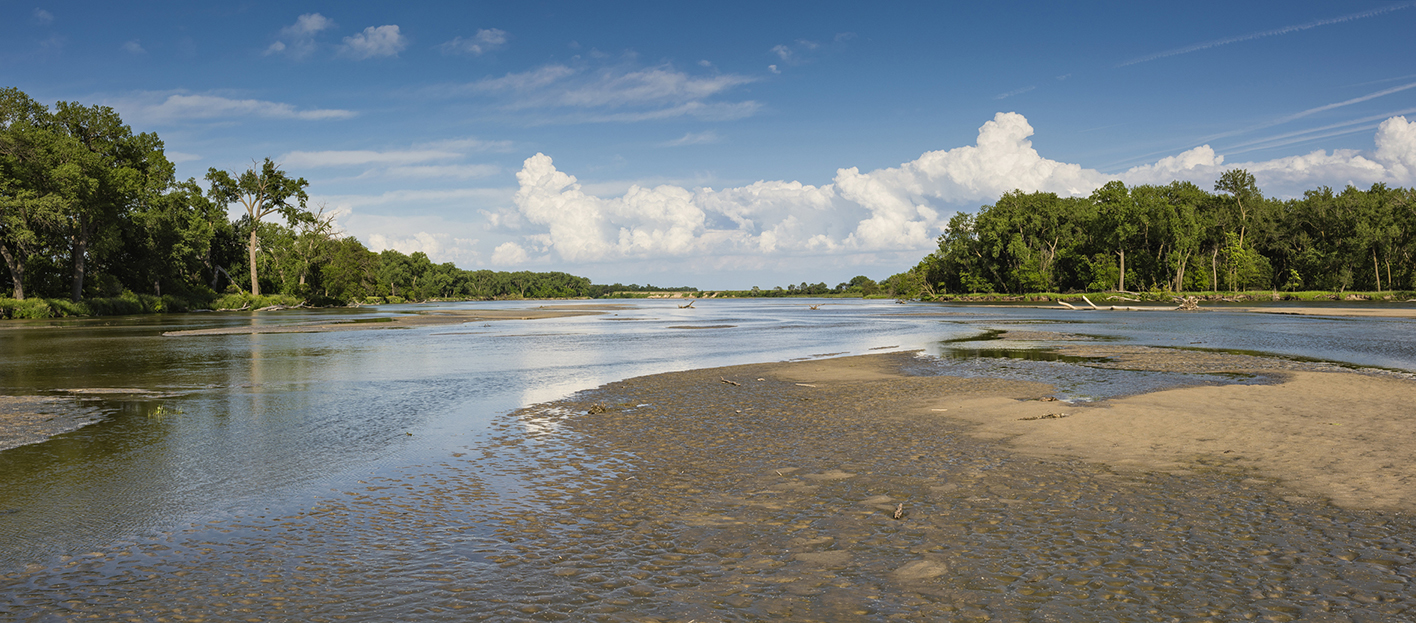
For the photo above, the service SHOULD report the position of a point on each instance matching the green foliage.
(1178, 237)
(253, 301)
(126, 303)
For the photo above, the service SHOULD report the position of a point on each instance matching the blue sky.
(730, 144)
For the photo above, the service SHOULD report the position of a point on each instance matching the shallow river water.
(201, 489)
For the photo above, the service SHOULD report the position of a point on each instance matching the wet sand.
(32, 419)
(685, 497)
(1361, 311)
(425, 319)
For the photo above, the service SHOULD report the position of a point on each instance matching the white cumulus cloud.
(1392, 162)
(887, 210)
(375, 41)
(509, 254)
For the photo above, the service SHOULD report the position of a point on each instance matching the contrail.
(1268, 33)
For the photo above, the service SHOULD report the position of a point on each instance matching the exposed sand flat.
(428, 319)
(1339, 436)
(1357, 311)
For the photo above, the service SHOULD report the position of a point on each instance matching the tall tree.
(25, 207)
(1120, 220)
(106, 171)
(262, 190)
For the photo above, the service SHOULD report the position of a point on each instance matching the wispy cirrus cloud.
(1002, 96)
(319, 159)
(486, 40)
(428, 161)
(177, 107)
(1267, 33)
(620, 93)
(693, 138)
(298, 40)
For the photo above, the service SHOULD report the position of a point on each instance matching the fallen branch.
(1113, 298)
(1066, 304)
(1089, 302)
(733, 383)
(689, 305)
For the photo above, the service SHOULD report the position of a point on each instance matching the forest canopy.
(1174, 238)
(90, 209)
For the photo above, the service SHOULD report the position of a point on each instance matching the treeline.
(1173, 238)
(860, 285)
(92, 212)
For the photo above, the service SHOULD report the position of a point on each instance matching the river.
(239, 428)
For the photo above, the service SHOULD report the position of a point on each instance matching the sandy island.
(423, 319)
(1337, 436)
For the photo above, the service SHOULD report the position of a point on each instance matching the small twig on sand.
(734, 383)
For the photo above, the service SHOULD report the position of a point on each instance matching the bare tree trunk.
(1376, 270)
(1214, 269)
(80, 249)
(1180, 274)
(255, 282)
(1121, 285)
(17, 271)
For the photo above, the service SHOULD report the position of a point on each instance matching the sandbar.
(426, 319)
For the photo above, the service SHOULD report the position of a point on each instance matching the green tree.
(262, 190)
(1119, 221)
(107, 172)
(27, 207)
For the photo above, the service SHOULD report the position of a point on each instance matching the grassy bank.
(129, 303)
